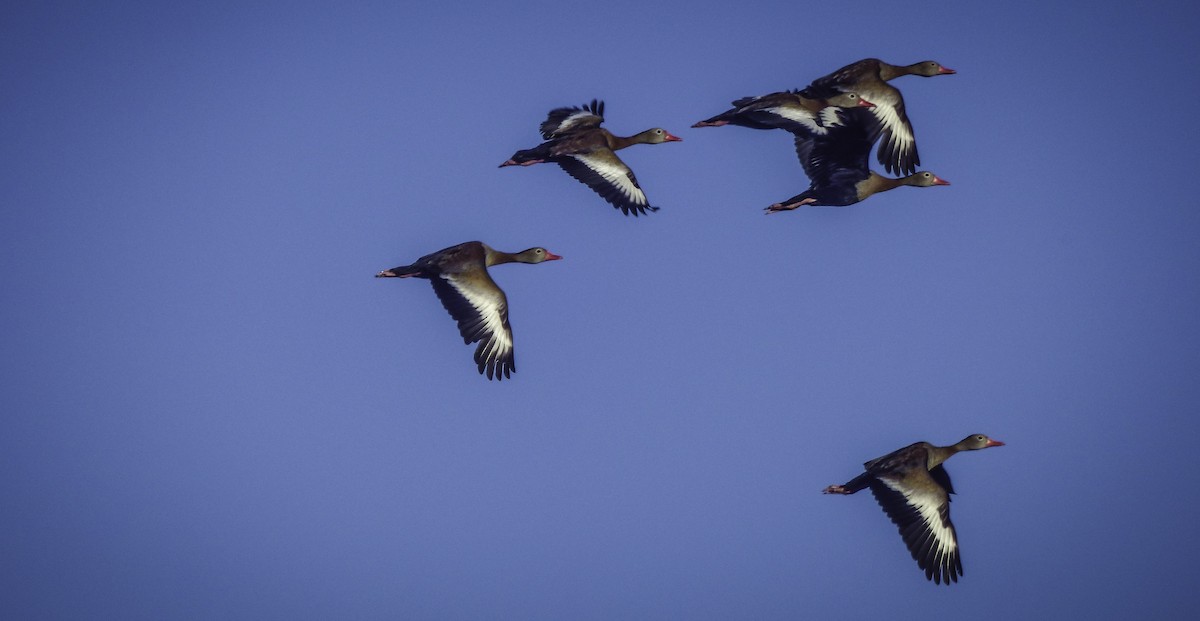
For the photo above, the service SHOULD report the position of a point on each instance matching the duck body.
(461, 281)
(844, 187)
(576, 142)
(887, 119)
(838, 168)
(788, 110)
(913, 488)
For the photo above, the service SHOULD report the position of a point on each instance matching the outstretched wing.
(602, 171)
(922, 513)
(839, 159)
(784, 110)
(887, 123)
(481, 310)
(898, 148)
(563, 121)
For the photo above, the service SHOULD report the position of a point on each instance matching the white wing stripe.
(801, 116)
(616, 175)
(571, 121)
(901, 134)
(929, 506)
(830, 117)
(488, 305)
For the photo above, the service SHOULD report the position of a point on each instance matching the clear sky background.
(211, 410)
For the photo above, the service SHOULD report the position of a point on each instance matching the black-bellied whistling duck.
(869, 78)
(837, 166)
(788, 111)
(914, 490)
(576, 142)
(460, 279)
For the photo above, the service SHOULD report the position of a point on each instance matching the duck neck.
(939, 454)
(620, 142)
(891, 72)
(496, 257)
(875, 184)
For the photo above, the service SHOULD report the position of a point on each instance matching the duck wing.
(784, 111)
(601, 170)
(563, 121)
(920, 508)
(842, 157)
(480, 308)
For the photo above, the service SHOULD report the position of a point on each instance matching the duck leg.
(529, 157)
(792, 203)
(857, 483)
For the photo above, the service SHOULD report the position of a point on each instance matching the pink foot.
(790, 206)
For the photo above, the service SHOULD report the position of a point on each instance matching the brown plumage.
(914, 490)
(576, 142)
(461, 281)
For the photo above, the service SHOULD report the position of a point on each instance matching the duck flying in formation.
(839, 172)
(576, 142)
(788, 110)
(869, 79)
(914, 490)
(835, 122)
(461, 281)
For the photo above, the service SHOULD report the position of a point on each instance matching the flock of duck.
(835, 122)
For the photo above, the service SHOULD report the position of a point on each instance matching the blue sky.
(212, 410)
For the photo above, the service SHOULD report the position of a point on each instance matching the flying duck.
(788, 110)
(869, 78)
(914, 490)
(460, 279)
(839, 173)
(576, 142)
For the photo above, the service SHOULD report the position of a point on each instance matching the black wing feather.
(473, 328)
(558, 115)
(603, 187)
(917, 536)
